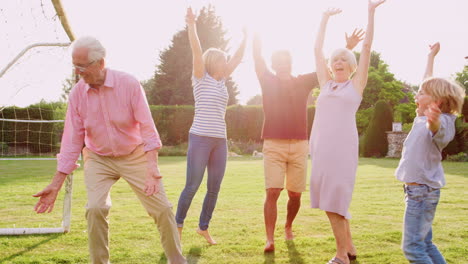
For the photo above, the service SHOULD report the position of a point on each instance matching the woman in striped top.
(207, 138)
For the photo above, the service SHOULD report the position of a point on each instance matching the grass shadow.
(269, 257)
(162, 259)
(194, 255)
(30, 248)
(192, 258)
(294, 255)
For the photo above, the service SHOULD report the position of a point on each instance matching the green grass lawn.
(237, 225)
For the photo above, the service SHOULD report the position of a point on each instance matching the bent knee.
(162, 211)
(294, 195)
(273, 191)
(97, 211)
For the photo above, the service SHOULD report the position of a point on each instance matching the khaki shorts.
(285, 158)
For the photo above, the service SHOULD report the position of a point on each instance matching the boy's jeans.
(421, 203)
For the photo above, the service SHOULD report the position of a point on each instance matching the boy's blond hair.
(210, 57)
(449, 93)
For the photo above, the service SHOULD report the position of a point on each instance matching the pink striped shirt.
(111, 121)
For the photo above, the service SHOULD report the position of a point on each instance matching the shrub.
(310, 119)
(465, 109)
(375, 142)
(460, 141)
(179, 150)
(244, 147)
(407, 127)
(460, 157)
(363, 116)
(361, 145)
(244, 123)
(405, 113)
(173, 122)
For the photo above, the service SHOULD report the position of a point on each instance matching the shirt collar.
(108, 82)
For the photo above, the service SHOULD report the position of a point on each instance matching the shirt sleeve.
(72, 139)
(446, 132)
(266, 79)
(309, 81)
(196, 80)
(142, 114)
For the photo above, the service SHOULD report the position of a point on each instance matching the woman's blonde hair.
(210, 57)
(449, 93)
(349, 55)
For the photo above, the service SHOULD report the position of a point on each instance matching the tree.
(256, 100)
(381, 84)
(465, 109)
(171, 84)
(375, 142)
(67, 85)
(462, 78)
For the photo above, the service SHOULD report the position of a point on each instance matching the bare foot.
(180, 232)
(206, 235)
(288, 233)
(269, 247)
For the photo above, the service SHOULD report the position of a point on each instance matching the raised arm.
(434, 49)
(260, 65)
(237, 58)
(360, 78)
(198, 65)
(323, 74)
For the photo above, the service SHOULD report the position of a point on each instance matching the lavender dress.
(334, 148)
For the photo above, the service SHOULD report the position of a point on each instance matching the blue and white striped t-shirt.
(211, 98)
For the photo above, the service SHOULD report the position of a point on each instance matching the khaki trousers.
(101, 172)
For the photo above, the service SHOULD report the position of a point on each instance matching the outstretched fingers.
(359, 34)
(332, 11)
(43, 207)
(355, 38)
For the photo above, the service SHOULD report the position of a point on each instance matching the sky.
(135, 32)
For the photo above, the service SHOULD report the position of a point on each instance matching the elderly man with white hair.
(108, 114)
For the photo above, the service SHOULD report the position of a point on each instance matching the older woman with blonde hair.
(334, 137)
(207, 138)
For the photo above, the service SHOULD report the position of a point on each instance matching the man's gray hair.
(95, 49)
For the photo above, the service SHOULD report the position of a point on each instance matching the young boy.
(438, 101)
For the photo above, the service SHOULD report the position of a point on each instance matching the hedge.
(243, 123)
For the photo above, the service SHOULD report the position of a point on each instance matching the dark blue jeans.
(421, 204)
(203, 152)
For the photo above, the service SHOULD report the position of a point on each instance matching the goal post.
(66, 217)
(35, 66)
(26, 166)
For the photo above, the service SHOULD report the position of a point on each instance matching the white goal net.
(35, 72)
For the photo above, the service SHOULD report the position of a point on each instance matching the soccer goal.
(35, 73)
